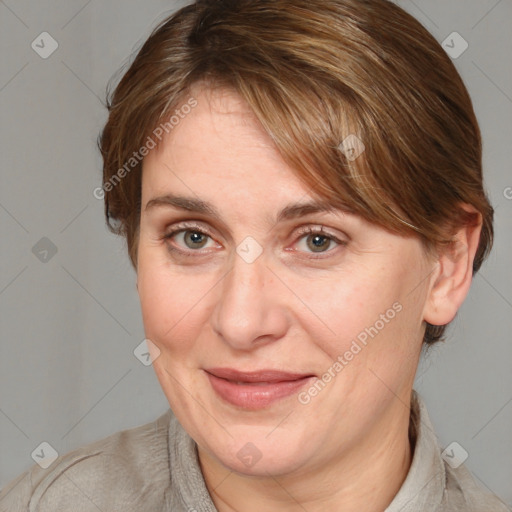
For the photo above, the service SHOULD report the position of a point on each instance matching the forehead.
(219, 114)
(218, 145)
(219, 158)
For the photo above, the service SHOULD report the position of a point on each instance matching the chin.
(260, 457)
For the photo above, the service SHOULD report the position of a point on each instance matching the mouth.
(255, 390)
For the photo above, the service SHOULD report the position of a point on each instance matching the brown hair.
(315, 72)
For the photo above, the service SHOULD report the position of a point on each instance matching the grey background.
(69, 325)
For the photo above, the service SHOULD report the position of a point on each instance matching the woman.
(299, 183)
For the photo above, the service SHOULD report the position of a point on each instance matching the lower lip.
(255, 396)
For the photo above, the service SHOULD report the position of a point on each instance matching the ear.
(452, 279)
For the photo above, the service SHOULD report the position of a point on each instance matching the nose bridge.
(247, 309)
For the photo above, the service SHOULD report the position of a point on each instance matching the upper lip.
(265, 375)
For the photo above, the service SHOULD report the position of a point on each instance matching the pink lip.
(255, 390)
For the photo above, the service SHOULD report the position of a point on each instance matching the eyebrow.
(289, 212)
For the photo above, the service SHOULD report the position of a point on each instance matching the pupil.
(317, 242)
(195, 237)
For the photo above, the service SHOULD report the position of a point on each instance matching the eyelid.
(320, 229)
(182, 226)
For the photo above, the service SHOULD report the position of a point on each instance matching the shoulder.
(128, 470)
(436, 482)
(462, 492)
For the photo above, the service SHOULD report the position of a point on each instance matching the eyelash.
(303, 231)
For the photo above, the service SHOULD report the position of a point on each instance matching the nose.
(250, 310)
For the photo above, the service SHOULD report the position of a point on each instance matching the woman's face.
(248, 290)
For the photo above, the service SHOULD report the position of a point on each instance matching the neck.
(365, 478)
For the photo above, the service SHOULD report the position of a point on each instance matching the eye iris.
(317, 244)
(198, 239)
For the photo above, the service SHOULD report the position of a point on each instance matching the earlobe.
(451, 282)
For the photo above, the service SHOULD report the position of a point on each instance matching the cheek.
(348, 307)
(374, 324)
(173, 305)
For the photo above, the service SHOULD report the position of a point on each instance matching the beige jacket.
(155, 468)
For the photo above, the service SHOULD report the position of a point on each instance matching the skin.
(348, 447)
